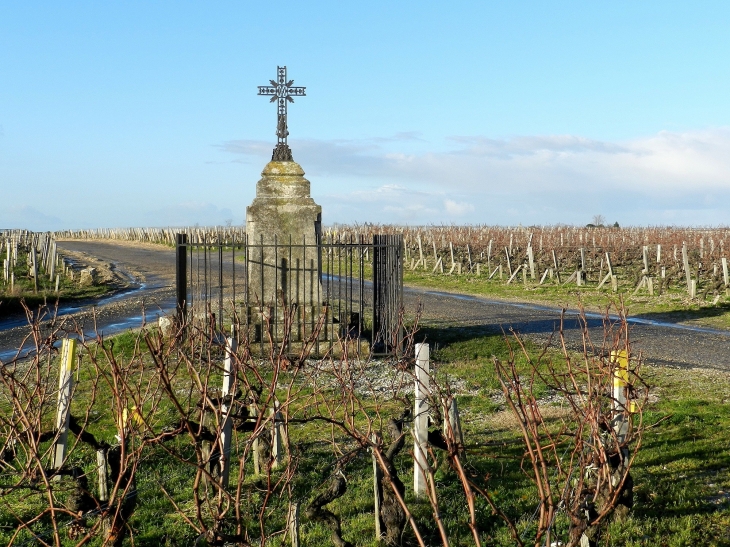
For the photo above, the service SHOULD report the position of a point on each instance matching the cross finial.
(282, 91)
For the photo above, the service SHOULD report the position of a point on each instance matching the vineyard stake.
(620, 381)
(377, 493)
(687, 273)
(256, 444)
(229, 377)
(293, 522)
(101, 471)
(63, 413)
(555, 263)
(514, 274)
(608, 263)
(452, 423)
(420, 420)
(420, 253)
(276, 448)
(509, 263)
(34, 266)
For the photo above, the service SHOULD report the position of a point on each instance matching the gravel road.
(149, 271)
(153, 270)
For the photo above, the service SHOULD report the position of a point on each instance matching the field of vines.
(35, 272)
(653, 260)
(669, 257)
(182, 439)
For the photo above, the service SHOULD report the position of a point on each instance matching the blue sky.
(146, 113)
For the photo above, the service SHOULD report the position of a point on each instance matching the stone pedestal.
(283, 229)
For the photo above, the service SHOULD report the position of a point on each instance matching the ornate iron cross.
(282, 91)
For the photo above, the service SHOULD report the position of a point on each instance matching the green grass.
(24, 290)
(673, 305)
(682, 473)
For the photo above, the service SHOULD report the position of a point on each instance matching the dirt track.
(152, 268)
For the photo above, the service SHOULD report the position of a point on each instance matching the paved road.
(659, 343)
(153, 267)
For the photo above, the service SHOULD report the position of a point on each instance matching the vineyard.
(33, 271)
(686, 265)
(625, 259)
(190, 439)
(196, 437)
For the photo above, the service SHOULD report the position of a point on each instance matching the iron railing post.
(181, 278)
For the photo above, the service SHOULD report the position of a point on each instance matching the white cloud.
(389, 203)
(668, 177)
(192, 213)
(458, 209)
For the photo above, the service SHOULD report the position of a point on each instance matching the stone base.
(283, 226)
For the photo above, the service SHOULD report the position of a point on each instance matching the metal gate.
(286, 292)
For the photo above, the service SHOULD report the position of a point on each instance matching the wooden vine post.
(620, 382)
(452, 423)
(531, 261)
(34, 268)
(377, 493)
(102, 479)
(687, 273)
(65, 387)
(277, 452)
(420, 420)
(293, 523)
(229, 376)
(256, 447)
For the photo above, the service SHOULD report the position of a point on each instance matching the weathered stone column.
(283, 229)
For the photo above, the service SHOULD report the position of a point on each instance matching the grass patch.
(682, 474)
(673, 305)
(25, 292)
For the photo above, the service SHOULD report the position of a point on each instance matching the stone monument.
(283, 231)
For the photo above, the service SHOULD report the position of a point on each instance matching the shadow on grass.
(679, 462)
(679, 315)
(681, 459)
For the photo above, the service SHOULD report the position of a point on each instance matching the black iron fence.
(289, 292)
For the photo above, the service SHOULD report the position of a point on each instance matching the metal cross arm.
(282, 91)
